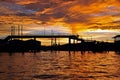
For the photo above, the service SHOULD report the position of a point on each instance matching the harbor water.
(60, 65)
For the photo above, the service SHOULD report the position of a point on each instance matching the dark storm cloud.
(8, 8)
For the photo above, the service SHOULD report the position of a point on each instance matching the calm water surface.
(60, 66)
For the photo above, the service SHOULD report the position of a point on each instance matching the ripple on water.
(2, 72)
(63, 77)
(60, 66)
(46, 76)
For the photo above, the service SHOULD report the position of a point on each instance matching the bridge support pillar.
(53, 41)
(35, 38)
(73, 41)
(69, 40)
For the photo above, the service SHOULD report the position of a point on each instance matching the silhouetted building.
(117, 38)
(20, 45)
(117, 42)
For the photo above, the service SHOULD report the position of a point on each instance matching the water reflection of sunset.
(60, 65)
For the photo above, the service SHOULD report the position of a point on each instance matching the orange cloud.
(88, 9)
(24, 2)
(11, 19)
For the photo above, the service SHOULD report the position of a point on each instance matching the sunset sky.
(96, 19)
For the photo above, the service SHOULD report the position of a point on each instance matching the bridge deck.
(43, 36)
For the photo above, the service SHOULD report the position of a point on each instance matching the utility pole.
(44, 30)
(18, 30)
(12, 30)
(21, 29)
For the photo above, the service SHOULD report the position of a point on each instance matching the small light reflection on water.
(60, 65)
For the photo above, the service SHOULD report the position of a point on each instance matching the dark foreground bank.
(33, 45)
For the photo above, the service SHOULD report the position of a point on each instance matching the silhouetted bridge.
(52, 37)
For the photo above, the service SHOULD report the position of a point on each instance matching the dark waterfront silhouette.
(19, 45)
(14, 44)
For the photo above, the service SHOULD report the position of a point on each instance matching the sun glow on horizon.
(102, 31)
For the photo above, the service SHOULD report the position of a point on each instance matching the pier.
(52, 37)
(17, 34)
